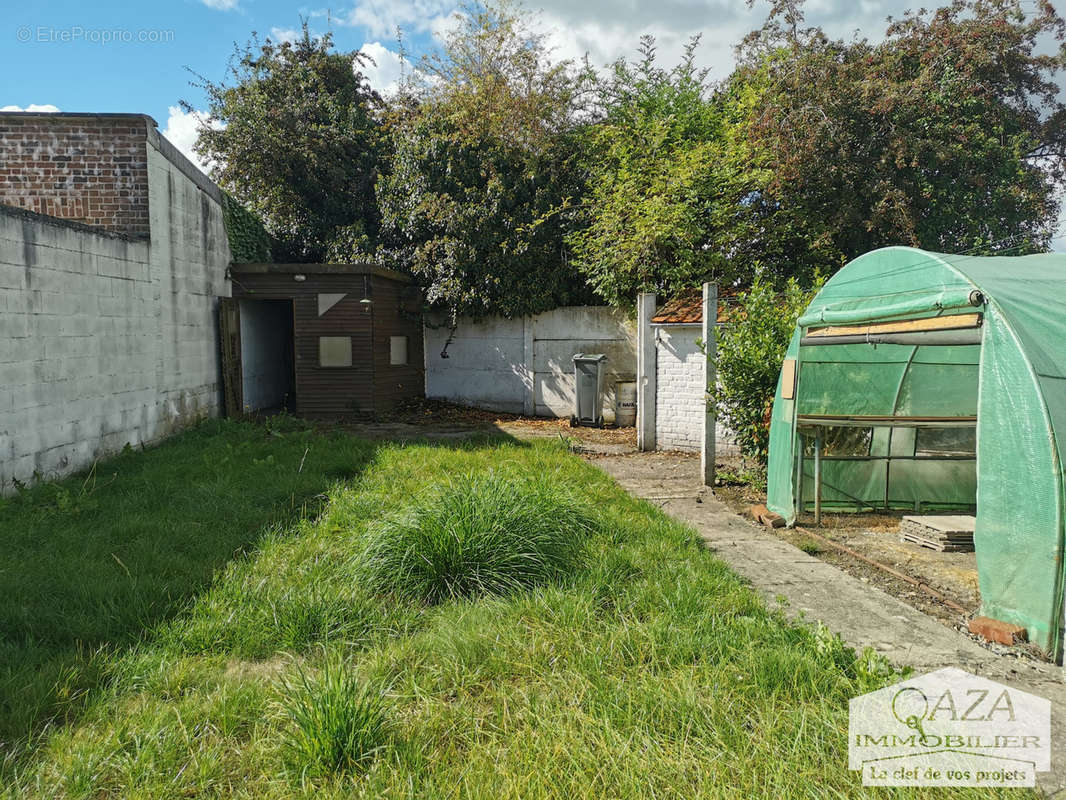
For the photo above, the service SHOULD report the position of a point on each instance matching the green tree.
(299, 144)
(948, 135)
(665, 204)
(483, 169)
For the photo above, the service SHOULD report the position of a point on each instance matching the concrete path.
(863, 615)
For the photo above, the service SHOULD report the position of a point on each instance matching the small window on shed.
(397, 350)
(334, 351)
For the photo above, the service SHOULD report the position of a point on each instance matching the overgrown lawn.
(634, 665)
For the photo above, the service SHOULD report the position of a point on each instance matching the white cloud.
(608, 29)
(221, 5)
(381, 18)
(280, 35)
(440, 27)
(182, 129)
(384, 74)
(597, 28)
(47, 108)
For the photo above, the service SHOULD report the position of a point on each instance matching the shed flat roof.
(319, 269)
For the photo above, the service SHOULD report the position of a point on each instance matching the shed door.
(229, 324)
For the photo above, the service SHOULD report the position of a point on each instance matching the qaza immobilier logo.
(949, 728)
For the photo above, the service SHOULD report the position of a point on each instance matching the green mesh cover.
(1015, 383)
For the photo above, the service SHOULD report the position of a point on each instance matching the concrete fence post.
(645, 372)
(529, 400)
(710, 376)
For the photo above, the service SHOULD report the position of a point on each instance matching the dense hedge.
(248, 239)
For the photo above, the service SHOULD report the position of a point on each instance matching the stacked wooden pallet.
(948, 533)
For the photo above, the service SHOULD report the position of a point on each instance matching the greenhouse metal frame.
(932, 383)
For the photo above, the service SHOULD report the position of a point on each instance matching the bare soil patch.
(429, 414)
(876, 536)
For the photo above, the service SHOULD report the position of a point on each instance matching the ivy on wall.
(248, 240)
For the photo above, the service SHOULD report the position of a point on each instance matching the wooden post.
(710, 376)
(645, 372)
(229, 324)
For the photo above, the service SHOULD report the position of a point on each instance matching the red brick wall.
(91, 169)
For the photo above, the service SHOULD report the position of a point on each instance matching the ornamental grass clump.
(335, 725)
(483, 535)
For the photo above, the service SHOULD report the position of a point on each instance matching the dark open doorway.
(267, 367)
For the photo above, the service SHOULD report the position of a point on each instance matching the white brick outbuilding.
(674, 371)
(680, 396)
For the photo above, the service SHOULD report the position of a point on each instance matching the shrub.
(750, 349)
(336, 724)
(485, 535)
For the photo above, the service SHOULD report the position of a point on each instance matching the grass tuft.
(336, 725)
(481, 535)
(809, 545)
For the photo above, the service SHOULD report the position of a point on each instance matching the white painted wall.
(106, 341)
(525, 366)
(679, 391)
(266, 353)
(680, 395)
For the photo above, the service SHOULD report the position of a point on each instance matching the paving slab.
(862, 614)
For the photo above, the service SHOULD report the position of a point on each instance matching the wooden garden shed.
(325, 341)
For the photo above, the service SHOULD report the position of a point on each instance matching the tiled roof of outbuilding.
(686, 308)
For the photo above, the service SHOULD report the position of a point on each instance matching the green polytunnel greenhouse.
(923, 381)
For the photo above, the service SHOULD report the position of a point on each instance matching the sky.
(113, 56)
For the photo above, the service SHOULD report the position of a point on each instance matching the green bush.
(750, 349)
(485, 535)
(336, 725)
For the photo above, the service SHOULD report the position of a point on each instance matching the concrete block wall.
(525, 366)
(189, 256)
(486, 364)
(77, 370)
(108, 338)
